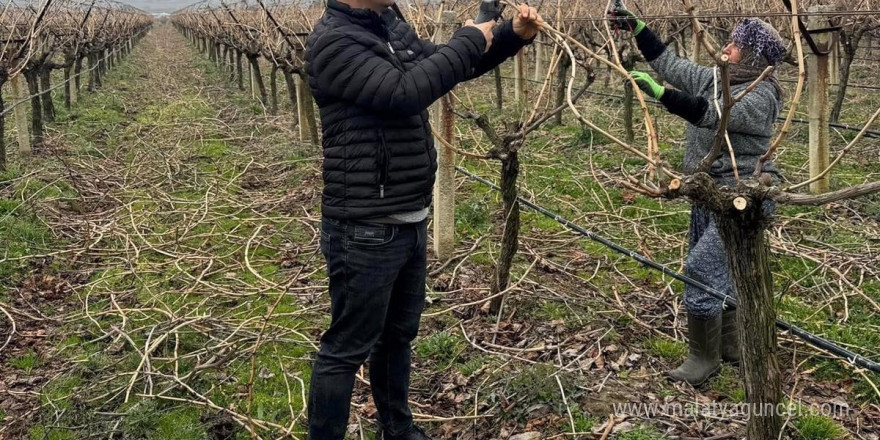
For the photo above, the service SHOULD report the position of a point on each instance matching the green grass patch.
(213, 148)
(863, 391)
(26, 362)
(153, 420)
(642, 433)
(50, 433)
(471, 366)
(728, 383)
(668, 349)
(817, 427)
(59, 391)
(536, 384)
(583, 421)
(441, 347)
(472, 217)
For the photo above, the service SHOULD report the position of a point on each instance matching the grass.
(26, 362)
(668, 349)
(583, 422)
(537, 385)
(108, 127)
(471, 366)
(441, 347)
(817, 427)
(566, 168)
(151, 420)
(642, 433)
(727, 383)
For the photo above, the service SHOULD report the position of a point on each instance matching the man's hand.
(486, 29)
(647, 84)
(623, 19)
(527, 22)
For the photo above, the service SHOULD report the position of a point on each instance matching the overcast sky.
(159, 5)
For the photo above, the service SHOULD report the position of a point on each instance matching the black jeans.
(377, 293)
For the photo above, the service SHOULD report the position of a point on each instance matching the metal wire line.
(811, 339)
(62, 83)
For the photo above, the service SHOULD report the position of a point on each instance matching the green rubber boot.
(704, 360)
(729, 337)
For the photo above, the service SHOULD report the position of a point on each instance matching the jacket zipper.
(382, 163)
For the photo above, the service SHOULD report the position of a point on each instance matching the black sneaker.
(414, 433)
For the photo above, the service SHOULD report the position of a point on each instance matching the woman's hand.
(623, 19)
(647, 84)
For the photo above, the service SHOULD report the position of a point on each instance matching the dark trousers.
(377, 293)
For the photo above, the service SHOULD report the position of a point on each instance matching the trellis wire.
(66, 81)
(811, 339)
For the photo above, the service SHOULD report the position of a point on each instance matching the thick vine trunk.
(562, 81)
(67, 87)
(46, 95)
(850, 48)
(845, 66)
(510, 236)
(749, 260)
(77, 69)
(291, 93)
(93, 71)
(273, 86)
(36, 109)
(238, 68)
(225, 57)
(258, 78)
(99, 72)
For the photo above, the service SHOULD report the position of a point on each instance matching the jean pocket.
(372, 236)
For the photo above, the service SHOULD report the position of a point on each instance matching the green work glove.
(647, 84)
(623, 19)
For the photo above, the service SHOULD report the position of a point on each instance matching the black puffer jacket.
(373, 80)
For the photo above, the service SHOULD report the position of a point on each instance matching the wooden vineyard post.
(818, 84)
(71, 86)
(305, 106)
(252, 81)
(519, 73)
(539, 59)
(19, 92)
(443, 121)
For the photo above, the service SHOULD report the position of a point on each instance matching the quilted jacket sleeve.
(505, 44)
(351, 71)
(683, 74)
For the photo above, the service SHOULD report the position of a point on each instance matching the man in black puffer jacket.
(373, 80)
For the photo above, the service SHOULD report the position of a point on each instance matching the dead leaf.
(265, 373)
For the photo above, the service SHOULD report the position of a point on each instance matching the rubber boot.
(729, 337)
(704, 360)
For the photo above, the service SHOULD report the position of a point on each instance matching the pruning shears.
(490, 10)
(618, 4)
